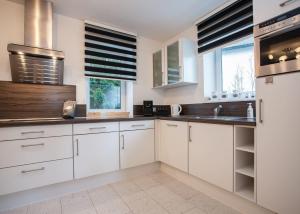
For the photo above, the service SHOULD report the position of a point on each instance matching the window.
(106, 95)
(229, 71)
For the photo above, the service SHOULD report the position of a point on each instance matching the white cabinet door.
(211, 153)
(96, 154)
(278, 144)
(174, 144)
(136, 147)
(264, 10)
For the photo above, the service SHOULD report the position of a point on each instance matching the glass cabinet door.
(157, 69)
(173, 66)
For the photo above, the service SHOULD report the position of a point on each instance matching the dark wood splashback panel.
(238, 109)
(19, 100)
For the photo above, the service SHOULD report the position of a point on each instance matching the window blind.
(109, 54)
(231, 23)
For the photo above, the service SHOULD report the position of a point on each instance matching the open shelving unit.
(245, 162)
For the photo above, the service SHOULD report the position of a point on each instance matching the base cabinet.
(136, 148)
(174, 144)
(96, 154)
(211, 153)
(15, 179)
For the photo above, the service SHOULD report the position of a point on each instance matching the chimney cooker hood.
(36, 61)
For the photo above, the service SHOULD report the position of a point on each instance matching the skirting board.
(27, 197)
(230, 199)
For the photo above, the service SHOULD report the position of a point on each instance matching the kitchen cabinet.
(264, 10)
(211, 153)
(96, 154)
(136, 148)
(158, 77)
(179, 65)
(173, 146)
(278, 171)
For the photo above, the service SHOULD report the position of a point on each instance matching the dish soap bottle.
(250, 113)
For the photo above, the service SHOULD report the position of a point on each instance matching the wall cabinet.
(136, 148)
(211, 153)
(176, 65)
(96, 154)
(264, 10)
(173, 147)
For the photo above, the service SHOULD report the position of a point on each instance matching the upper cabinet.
(175, 65)
(264, 10)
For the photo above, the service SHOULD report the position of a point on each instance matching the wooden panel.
(19, 100)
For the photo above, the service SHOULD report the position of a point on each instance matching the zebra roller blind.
(109, 53)
(231, 23)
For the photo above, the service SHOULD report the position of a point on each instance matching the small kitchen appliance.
(148, 108)
(175, 110)
(69, 109)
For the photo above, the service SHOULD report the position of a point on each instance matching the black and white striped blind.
(109, 54)
(231, 23)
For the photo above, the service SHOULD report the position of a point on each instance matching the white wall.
(69, 37)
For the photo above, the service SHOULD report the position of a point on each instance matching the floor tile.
(161, 178)
(78, 203)
(125, 188)
(145, 205)
(146, 182)
(178, 206)
(181, 189)
(204, 203)
(116, 206)
(22, 210)
(103, 194)
(162, 195)
(195, 211)
(222, 209)
(46, 207)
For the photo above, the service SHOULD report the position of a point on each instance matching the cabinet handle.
(95, 128)
(33, 132)
(32, 170)
(137, 125)
(260, 110)
(77, 147)
(32, 145)
(172, 125)
(123, 142)
(190, 139)
(285, 3)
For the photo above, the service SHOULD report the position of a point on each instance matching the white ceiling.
(156, 19)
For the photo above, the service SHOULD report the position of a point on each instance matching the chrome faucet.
(217, 110)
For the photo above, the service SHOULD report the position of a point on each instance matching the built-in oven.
(277, 44)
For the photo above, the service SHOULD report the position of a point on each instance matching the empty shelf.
(247, 170)
(247, 192)
(246, 148)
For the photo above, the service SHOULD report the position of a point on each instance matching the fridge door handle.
(260, 111)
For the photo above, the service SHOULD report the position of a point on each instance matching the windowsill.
(229, 100)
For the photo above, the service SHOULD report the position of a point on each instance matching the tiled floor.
(153, 194)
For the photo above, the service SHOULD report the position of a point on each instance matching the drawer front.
(20, 178)
(90, 128)
(20, 152)
(26, 132)
(135, 125)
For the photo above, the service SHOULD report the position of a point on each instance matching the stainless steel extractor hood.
(35, 61)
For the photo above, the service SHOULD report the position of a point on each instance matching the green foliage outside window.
(105, 94)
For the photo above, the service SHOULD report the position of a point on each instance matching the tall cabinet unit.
(278, 143)
(176, 65)
(211, 153)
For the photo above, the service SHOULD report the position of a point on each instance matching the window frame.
(123, 97)
(218, 71)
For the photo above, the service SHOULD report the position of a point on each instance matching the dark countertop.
(186, 118)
